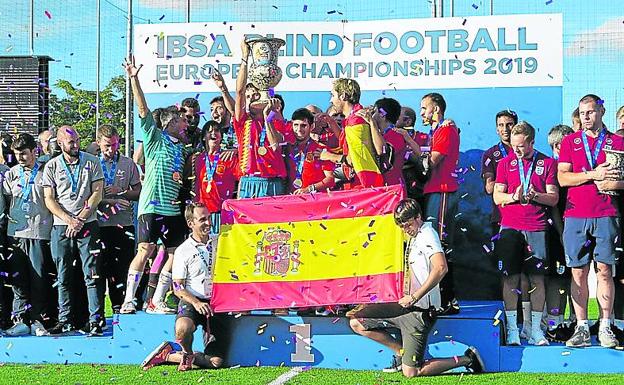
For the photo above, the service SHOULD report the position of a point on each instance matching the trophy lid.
(261, 39)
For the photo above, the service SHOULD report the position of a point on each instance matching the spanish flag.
(357, 142)
(309, 250)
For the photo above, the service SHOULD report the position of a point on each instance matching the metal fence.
(67, 31)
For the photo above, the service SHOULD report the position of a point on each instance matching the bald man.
(44, 140)
(73, 183)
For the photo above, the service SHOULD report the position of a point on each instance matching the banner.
(309, 250)
(438, 53)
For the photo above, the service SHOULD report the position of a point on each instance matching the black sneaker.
(93, 329)
(561, 333)
(61, 328)
(619, 334)
(593, 330)
(450, 308)
(395, 366)
(476, 362)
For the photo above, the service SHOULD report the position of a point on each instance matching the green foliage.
(77, 108)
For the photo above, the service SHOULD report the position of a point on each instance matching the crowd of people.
(68, 231)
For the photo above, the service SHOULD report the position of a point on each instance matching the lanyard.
(202, 254)
(525, 180)
(302, 157)
(262, 137)
(390, 127)
(27, 187)
(502, 149)
(73, 176)
(211, 167)
(177, 152)
(591, 159)
(109, 177)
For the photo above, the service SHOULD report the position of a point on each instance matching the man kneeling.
(415, 313)
(192, 280)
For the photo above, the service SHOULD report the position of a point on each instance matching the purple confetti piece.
(305, 8)
(162, 17)
(475, 6)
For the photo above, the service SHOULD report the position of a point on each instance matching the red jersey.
(395, 174)
(214, 180)
(255, 158)
(445, 140)
(312, 169)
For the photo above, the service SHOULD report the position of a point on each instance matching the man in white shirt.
(415, 313)
(193, 264)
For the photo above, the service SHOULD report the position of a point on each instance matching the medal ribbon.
(73, 176)
(591, 159)
(262, 136)
(211, 167)
(390, 127)
(525, 180)
(177, 152)
(109, 177)
(27, 186)
(301, 159)
(502, 149)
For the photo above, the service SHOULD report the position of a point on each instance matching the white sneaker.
(128, 308)
(159, 308)
(513, 337)
(19, 329)
(538, 338)
(37, 329)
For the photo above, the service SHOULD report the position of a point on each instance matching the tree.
(77, 108)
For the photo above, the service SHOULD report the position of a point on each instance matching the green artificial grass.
(124, 374)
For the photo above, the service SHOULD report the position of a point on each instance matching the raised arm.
(228, 100)
(132, 71)
(241, 82)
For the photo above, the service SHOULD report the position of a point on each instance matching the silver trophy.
(263, 71)
(616, 160)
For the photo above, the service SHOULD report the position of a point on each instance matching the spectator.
(191, 110)
(122, 187)
(524, 198)
(413, 314)
(73, 184)
(159, 211)
(29, 229)
(5, 295)
(192, 272)
(44, 140)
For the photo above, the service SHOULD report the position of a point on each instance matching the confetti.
(475, 6)
(48, 14)
(162, 17)
(305, 8)
(549, 2)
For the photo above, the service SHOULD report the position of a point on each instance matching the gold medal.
(176, 176)
(262, 151)
(297, 183)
